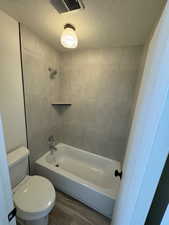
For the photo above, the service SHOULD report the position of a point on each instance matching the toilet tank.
(18, 165)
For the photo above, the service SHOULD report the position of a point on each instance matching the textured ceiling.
(104, 23)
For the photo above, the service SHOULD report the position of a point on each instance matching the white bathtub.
(87, 177)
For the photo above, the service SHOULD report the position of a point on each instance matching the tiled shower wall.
(42, 119)
(101, 85)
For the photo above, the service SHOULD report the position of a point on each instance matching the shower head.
(53, 73)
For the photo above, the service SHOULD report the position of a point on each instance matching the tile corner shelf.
(61, 103)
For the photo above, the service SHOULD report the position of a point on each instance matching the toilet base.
(41, 221)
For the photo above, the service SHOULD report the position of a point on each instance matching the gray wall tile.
(40, 91)
(101, 85)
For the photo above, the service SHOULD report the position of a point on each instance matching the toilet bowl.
(34, 196)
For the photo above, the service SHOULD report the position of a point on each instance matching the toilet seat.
(34, 198)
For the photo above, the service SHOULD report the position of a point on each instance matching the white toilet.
(34, 196)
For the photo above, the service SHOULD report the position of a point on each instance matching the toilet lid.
(36, 195)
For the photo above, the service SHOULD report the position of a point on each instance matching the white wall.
(5, 187)
(149, 137)
(11, 91)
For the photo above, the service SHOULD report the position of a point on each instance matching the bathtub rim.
(90, 153)
(68, 175)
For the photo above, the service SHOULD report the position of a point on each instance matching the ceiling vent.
(63, 6)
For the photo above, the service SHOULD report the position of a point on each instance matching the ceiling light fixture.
(69, 38)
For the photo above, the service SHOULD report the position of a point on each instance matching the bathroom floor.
(69, 211)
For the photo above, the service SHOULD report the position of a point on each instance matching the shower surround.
(42, 119)
(100, 84)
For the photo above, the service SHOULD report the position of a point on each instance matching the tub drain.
(57, 165)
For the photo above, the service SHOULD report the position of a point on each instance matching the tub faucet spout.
(52, 149)
(52, 143)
